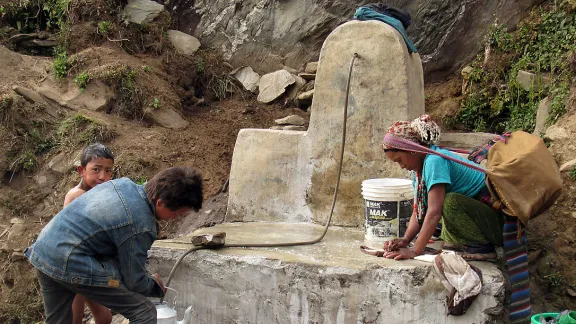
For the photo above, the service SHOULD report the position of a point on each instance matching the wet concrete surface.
(339, 248)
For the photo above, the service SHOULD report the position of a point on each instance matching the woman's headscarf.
(414, 136)
(422, 131)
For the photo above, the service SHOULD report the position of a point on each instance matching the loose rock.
(542, 116)
(183, 43)
(216, 239)
(291, 120)
(307, 76)
(306, 95)
(311, 67)
(15, 233)
(169, 118)
(295, 88)
(17, 220)
(60, 163)
(142, 11)
(555, 133)
(18, 256)
(530, 81)
(568, 165)
(273, 85)
(290, 69)
(247, 77)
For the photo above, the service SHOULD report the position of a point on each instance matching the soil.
(140, 147)
(29, 198)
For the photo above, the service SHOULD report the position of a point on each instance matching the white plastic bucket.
(388, 205)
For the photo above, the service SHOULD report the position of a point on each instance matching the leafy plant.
(82, 79)
(555, 280)
(147, 68)
(572, 173)
(541, 45)
(80, 130)
(140, 180)
(129, 78)
(200, 65)
(56, 12)
(104, 27)
(25, 161)
(156, 103)
(61, 63)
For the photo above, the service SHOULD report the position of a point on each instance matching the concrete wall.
(243, 286)
(387, 85)
(268, 177)
(288, 176)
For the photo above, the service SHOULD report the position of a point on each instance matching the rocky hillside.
(172, 84)
(270, 34)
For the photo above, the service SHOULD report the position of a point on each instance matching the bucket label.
(385, 219)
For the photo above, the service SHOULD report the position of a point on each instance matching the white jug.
(167, 315)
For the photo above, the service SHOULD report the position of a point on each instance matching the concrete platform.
(329, 282)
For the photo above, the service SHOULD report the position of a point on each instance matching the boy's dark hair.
(177, 187)
(95, 151)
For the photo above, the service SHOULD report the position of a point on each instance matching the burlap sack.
(522, 176)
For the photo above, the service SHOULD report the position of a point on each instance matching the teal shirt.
(457, 178)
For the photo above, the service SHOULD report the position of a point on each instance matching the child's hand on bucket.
(395, 244)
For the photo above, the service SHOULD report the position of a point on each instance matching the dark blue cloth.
(364, 13)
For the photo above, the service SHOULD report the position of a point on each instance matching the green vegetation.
(79, 130)
(61, 63)
(25, 161)
(545, 45)
(572, 173)
(82, 79)
(147, 68)
(104, 27)
(156, 103)
(140, 180)
(30, 16)
(200, 65)
(555, 280)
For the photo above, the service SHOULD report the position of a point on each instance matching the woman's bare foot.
(492, 256)
(453, 247)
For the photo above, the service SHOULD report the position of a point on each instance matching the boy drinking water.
(96, 166)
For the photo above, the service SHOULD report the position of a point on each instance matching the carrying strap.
(405, 144)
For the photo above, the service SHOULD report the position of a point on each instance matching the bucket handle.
(176, 296)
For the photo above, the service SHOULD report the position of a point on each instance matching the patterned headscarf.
(421, 130)
(414, 136)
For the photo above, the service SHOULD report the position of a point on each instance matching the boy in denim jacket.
(97, 245)
(96, 167)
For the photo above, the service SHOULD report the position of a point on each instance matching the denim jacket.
(101, 239)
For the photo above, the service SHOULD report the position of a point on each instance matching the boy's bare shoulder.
(73, 194)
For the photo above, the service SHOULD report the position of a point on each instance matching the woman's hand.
(402, 253)
(395, 244)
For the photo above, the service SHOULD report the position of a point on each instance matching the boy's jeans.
(58, 297)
